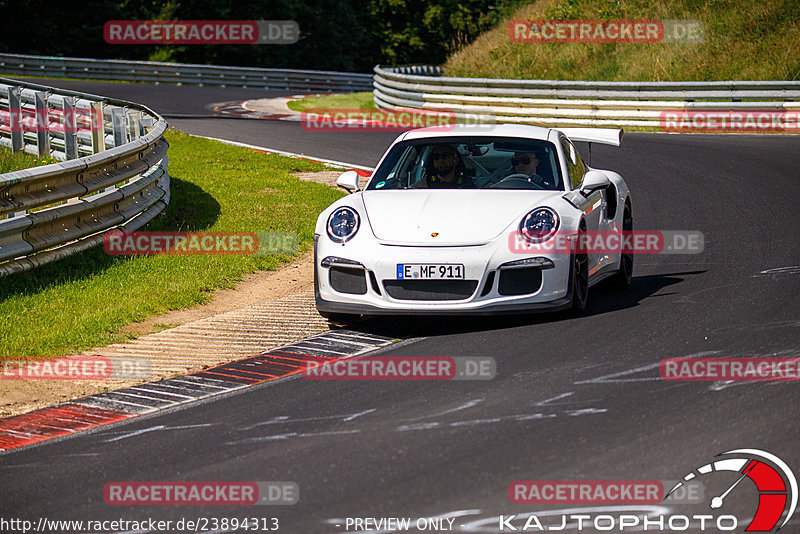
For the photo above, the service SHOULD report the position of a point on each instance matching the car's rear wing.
(606, 136)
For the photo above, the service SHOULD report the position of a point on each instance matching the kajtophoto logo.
(775, 491)
(775, 482)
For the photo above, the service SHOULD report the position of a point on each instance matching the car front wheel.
(580, 278)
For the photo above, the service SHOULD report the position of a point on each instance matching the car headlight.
(343, 224)
(539, 225)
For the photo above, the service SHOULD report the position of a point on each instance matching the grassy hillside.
(744, 40)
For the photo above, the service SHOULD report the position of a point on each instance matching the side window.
(413, 167)
(404, 170)
(575, 166)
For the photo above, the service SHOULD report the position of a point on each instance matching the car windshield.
(469, 163)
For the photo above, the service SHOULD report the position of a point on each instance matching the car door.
(594, 208)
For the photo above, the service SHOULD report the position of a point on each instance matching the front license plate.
(430, 271)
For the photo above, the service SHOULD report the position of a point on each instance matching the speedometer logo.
(776, 485)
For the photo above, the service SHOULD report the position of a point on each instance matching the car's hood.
(447, 217)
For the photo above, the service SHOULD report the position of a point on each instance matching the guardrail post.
(70, 128)
(98, 127)
(15, 114)
(133, 124)
(41, 115)
(144, 124)
(118, 126)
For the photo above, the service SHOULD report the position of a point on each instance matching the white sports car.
(472, 219)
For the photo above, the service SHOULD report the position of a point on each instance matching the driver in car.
(526, 163)
(448, 170)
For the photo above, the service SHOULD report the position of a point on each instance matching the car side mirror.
(592, 181)
(349, 181)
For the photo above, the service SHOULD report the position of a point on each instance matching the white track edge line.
(289, 154)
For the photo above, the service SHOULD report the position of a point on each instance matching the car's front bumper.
(365, 275)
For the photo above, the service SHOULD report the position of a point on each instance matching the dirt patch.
(323, 177)
(256, 287)
(20, 396)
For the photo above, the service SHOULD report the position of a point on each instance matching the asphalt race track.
(575, 398)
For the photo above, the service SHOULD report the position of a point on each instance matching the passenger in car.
(527, 163)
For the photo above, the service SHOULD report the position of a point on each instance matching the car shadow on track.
(603, 299)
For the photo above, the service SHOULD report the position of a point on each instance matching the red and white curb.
(275, 110)
(280, 112)
(105, 408)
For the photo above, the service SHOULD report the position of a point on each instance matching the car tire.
(579, 279)
(622, 280)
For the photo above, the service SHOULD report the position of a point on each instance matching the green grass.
(744, 40)
(344, 101)
(15, 161)
(84, 301)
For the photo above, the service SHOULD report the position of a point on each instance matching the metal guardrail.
(550, 102)
(184, 73)
(54, 211)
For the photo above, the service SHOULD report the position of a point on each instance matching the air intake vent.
(430, 289)
(519, 281)
(350, 281)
